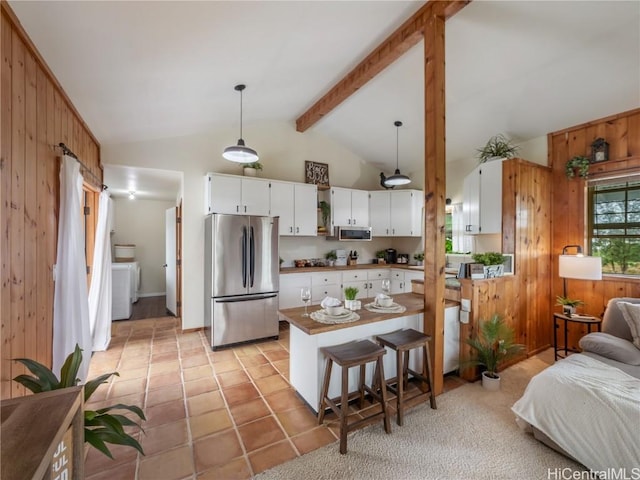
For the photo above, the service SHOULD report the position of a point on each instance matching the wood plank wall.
(35, 115)
(622, 132)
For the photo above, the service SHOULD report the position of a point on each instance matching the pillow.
(611, 347)
(613, 321)
(631, 313)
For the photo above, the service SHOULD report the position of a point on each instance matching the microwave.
(351, 234)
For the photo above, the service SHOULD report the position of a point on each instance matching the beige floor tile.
(283, 400)
(209, 423)
(260, 433)
(271, 384)
(170, 465)
(253, 360)
(125, 471)
(227, 366)
(229, 379)
(215, 450)
(297, 421)
(158, 368)
(164, 380)
(127, 387)
(201, 385)
(271, 456)
(197, 372)
(240, 393)
(164, 413)
(205, 402)
(276, 355)
(262, 371)
(194, 360)
(97, 461)
(222, 356)
(131, 374)
(249, 411)
(246, 350)
(164, 394)
(236, 469)
(164, 357)
(164, 437)
(313, 439)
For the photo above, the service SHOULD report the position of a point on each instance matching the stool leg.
(344, 409)
(400, 387)
(405, 371)
(325, 391)
(361, 384)
(427, 362)
(383, 394)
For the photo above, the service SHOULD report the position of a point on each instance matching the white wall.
(282, 151)
(142, 222)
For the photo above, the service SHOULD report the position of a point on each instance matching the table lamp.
(578, 266)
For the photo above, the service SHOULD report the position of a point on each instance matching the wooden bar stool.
(348, 355)
(402, 342)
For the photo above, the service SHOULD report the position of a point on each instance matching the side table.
(589, 321)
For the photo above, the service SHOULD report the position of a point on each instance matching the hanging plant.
(579, 164)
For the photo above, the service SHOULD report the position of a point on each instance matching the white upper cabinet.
(349, 207)
(237, 195)
(396, 213)
(296, 205)
(482, 202)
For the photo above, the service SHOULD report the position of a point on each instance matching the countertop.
(363, 266)
(413, 302)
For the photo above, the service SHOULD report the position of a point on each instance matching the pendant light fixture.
(397, 178)
(240, 153)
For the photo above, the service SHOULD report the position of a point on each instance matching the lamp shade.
(580, 267)
(240, 153)
(397, 179)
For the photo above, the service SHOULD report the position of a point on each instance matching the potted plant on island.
(331, 257)
(493, 345)
(100, 426)
(493, 263)
(497, 147)
(251, 169)
(419, 258)
(568, 305)
(350, 294)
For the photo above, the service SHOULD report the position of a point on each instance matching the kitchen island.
(307, 337)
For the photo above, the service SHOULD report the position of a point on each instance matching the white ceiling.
(144, 183)
(144, 70)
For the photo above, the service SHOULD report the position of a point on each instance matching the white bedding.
(590, 409)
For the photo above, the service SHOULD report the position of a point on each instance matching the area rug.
(472, 435)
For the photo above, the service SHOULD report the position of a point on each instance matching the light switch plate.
(464, 317)
(465, 304)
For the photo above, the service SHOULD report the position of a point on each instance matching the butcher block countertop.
(413, 303)
(364, 266)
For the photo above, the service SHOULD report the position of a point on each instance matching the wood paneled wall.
(35, 115)
(622, 132)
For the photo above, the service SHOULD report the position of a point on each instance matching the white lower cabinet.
(368, 282)
(325, 285)
(290, 286)
(409, 275)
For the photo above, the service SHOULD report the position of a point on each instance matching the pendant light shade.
(240, 153)
(397, 178)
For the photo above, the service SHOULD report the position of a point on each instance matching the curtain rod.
(67, 151)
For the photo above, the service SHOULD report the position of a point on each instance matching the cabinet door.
(282, 205)
(408, 276)
(290, 286)
(401, 213)
(380, 213)
(255, 196)
(491, 197)
(340, 207)
(471, 202)
(226, 194)
(361, 285)
(305, 212)
(397, 281)
(360, 208)
(319, 292)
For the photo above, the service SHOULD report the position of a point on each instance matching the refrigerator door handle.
(244, 257)
(245, 298)
(252, 256)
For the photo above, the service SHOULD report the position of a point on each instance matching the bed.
(587, 406)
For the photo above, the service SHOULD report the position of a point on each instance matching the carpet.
(472, 435)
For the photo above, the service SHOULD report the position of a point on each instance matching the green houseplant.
(498, 146)
(578, 164)
(251, 169)
(325, 210)
(493, 345)
(380, 254)
(419, 257)
(350, 294)
(568, 305)
(331, 257)
(493, 263)
(100, 426)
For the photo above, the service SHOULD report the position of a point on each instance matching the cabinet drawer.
(318, 292)
(397, 274)
(328, 278)
(354, 275)
(377, 274)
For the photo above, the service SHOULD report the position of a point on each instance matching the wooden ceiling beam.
(401, 40)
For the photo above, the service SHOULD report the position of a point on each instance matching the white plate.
(395, 308)
(346, 313)
(321, 317)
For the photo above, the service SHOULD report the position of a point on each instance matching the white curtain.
(70, 304)
(100, 290)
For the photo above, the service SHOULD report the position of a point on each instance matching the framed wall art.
(316, 173)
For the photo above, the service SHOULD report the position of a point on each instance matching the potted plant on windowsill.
(251, 169)
(497, 147)
(493, 263)
(493, 345)
(568, 305)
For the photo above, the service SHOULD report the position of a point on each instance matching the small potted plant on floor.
(493, 344)
(350, 294)
(568, 305)
(419, 258)
(251, 169)
(493, 263)
(331, 258)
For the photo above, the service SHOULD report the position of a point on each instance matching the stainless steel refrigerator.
(241, 278)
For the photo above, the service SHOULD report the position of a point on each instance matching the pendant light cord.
(240, 113)
(397, 140)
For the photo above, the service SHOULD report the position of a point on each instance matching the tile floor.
(210, 415)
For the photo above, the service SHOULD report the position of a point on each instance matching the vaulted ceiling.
(145, 70)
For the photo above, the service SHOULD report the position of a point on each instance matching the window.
(614, 225)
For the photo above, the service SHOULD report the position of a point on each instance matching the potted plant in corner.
(568, 305)
(350, 294)
(251, 169)
(493, 263)
(100, 426)
(419, 258)
(497, 147)
(331, 257)
(493, 345)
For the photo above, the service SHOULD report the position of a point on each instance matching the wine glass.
(305, 296)
(386, 286)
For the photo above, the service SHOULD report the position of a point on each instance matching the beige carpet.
(472, 435)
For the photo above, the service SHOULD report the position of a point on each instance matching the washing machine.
(125, 287)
